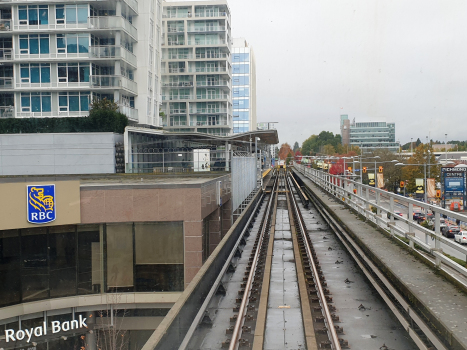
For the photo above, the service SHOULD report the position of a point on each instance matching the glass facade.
(241, 91)
(61, 261)
(373, 135)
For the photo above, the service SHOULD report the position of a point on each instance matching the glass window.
(35, 73)
(34, 44)
(36, 102)
(33, 14)
(72, 43)
(74, 101)
(120, 257)
(10, 280)
(34, 275)
(73, 72)
(159, 252)
(241, 80)
(90, 274)
(62, 256)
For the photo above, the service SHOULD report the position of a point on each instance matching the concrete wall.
(55, 154)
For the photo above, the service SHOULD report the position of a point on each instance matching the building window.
(71, 13)
(34, 44)
(33, 14)
(73, 72)
(74, 101)
(72, 43)
(241, 80)
(36, 102)
(241, 69)
(35, 73)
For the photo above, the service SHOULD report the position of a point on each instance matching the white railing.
(113, 81)
(207, 42)
(176, 97)
(207, 69)
(131, 113)
(207, 29)
(133, 4)
(212, 55)
(175, 30)
(53, 84)
(213, 97)
(6, 82)
(359, 197)
(178, 57)
(6, 54)
(7, 112)
(178, 84)
(175, 43)
(177, 123)
(112, 51)
(207, 123)
(178, 111)
(210, 14)
(207, 110)
(112, 22)
(212, 83)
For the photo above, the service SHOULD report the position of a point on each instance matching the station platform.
(439, 301)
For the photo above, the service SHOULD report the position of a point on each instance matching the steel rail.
(332, 333)
(236, 334)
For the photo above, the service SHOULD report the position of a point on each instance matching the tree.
(289, 158)
(296, 146)
(316, 143)
(422, 154)
(337, 168)
(104, 113)
(298, 156)
(284, 151)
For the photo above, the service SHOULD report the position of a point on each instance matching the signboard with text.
(453, 181)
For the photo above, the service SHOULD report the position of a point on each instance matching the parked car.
(461, 237)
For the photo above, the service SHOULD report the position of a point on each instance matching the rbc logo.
(41, 204)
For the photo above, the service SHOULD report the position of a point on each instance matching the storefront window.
(9, 268)
(62, 256)
(89, 259)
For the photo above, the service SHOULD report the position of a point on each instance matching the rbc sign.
(41, 204)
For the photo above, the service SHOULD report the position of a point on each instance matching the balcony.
(209, 123)
(207, 69)
(212, 83)
(206, 29)
(176, 97)
(7, 112)
(175, 43)
(5, 25)
(177, 123)
(131, 113)
(174, 70)
(178, 57)
(207, 42)
(177, 84)
(6, 83)
(114, 82)
(210, 14)
(6, 54)
(133, 4)
(113, 52)
(113, 23)
(178, 111)
(208, 110)
(212, 55)
(213, 97)
(175, 30)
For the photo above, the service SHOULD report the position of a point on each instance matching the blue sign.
(41, 204)
(454, 184)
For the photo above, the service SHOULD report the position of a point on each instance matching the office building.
(57, 56)
(196, 67)
(243, 86)
(369, 136)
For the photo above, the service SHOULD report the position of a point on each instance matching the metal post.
(426, 198)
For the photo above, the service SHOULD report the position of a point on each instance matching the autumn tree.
(337, 168)
(422, 154)
(284, 151)
(298, 156)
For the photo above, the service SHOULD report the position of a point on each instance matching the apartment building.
(243, 86)
(57, 56)
(196, 67)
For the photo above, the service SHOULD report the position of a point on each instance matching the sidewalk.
(438, 300)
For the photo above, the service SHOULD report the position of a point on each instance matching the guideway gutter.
(435, 299)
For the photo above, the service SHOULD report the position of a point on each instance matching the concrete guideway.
(439, 302)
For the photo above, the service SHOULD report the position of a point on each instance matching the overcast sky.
(396, 61)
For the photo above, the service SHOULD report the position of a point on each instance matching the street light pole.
(426, 187)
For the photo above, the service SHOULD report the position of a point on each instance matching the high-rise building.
(243, 86)
(196, 67)
(369, 136)
(57, 56)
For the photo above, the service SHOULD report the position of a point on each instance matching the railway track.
(274, 292)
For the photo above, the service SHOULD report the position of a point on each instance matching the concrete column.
(118, 9)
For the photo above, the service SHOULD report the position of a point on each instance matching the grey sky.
(402, 61)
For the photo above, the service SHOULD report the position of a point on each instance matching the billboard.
(419, 186)
(453, 182)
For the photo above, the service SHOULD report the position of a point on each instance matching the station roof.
(268, 137)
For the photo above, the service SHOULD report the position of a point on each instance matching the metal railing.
(213, 97)
(210, 14)
(177, 84)
(207, 110)
(7, 112)
(176, 97)
(212, 55)
(343, 188)
(207, 42)
(207, 69)
(6, 54)
(6, 82)
(207, 123)
(5, 25)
